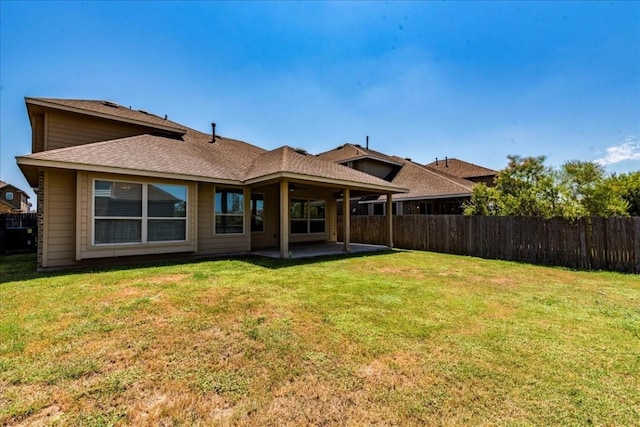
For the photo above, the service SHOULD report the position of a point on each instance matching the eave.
(30, 167)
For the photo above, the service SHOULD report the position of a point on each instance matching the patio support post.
(389, 221)
(247, 216)
(346, 214)
(284, 219)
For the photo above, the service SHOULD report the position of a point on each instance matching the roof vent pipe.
(436, 161)
(446, 162)
(367, 142)
(213, 132)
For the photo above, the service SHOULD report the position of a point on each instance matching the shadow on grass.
(23, 267)
(277, 263)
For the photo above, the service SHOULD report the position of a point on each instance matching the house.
(465, 170)
(430, 191)
(114, 182)
(13, 199)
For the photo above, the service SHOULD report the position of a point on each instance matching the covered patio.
(310, 250)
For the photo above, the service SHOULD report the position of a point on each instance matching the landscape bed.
(411, 338)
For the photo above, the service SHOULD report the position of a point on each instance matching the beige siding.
(37, 136)
(68, 129)
(60, 218)
(208, 242)
(269, 237)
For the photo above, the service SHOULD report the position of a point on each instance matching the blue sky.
(472, 80)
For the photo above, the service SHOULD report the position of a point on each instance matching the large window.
(229, 211)
(126, 212)
(307, 216)
(257, 212)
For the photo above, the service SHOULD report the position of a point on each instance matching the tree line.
(527, 187)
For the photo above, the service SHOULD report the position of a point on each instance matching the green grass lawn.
(408, 338)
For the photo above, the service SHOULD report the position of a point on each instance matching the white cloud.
(628, 150)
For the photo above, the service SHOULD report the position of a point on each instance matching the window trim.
(144, 218)
(244, 227)
(308, 220)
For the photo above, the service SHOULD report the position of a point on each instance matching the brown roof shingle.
(424, 183)
(287, 160)
(111, 110)
(461, 169)
(193, 156)
(348, 152)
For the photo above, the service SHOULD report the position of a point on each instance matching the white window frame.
(144, 218)
(223, 188)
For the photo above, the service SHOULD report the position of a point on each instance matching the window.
(307, 216)
(257, 212)
(378, 209)
(126, 212)
(229, 211)
(8, 195)
(167, 212)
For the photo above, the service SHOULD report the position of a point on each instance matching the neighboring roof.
(109, 110)
(350, 152)
(6, 184)
(461, 169)
(286, 161)
(424, 183)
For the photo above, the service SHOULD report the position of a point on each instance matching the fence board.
(588, 243)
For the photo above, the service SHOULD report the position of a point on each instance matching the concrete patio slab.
(320, 249)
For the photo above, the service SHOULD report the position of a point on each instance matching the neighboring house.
(13, 199)
(113, 181)
(430, 191)
(465, 170)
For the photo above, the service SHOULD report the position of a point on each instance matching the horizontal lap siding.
(268, 237)
(208, 243)
(37, 143)
(66, 130)
(60, 218)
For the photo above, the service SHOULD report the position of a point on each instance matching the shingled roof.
(194, 157)
(422, 182)
(108, 110)
(347, 152)
(286, 161)
(461, 169)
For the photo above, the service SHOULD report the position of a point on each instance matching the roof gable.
(5, 186)
(351, 152)
(288, 161)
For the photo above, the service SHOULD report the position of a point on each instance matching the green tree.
(588, 192)
(526, 187)
(628, 187)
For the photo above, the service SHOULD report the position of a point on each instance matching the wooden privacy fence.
(589, 244)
